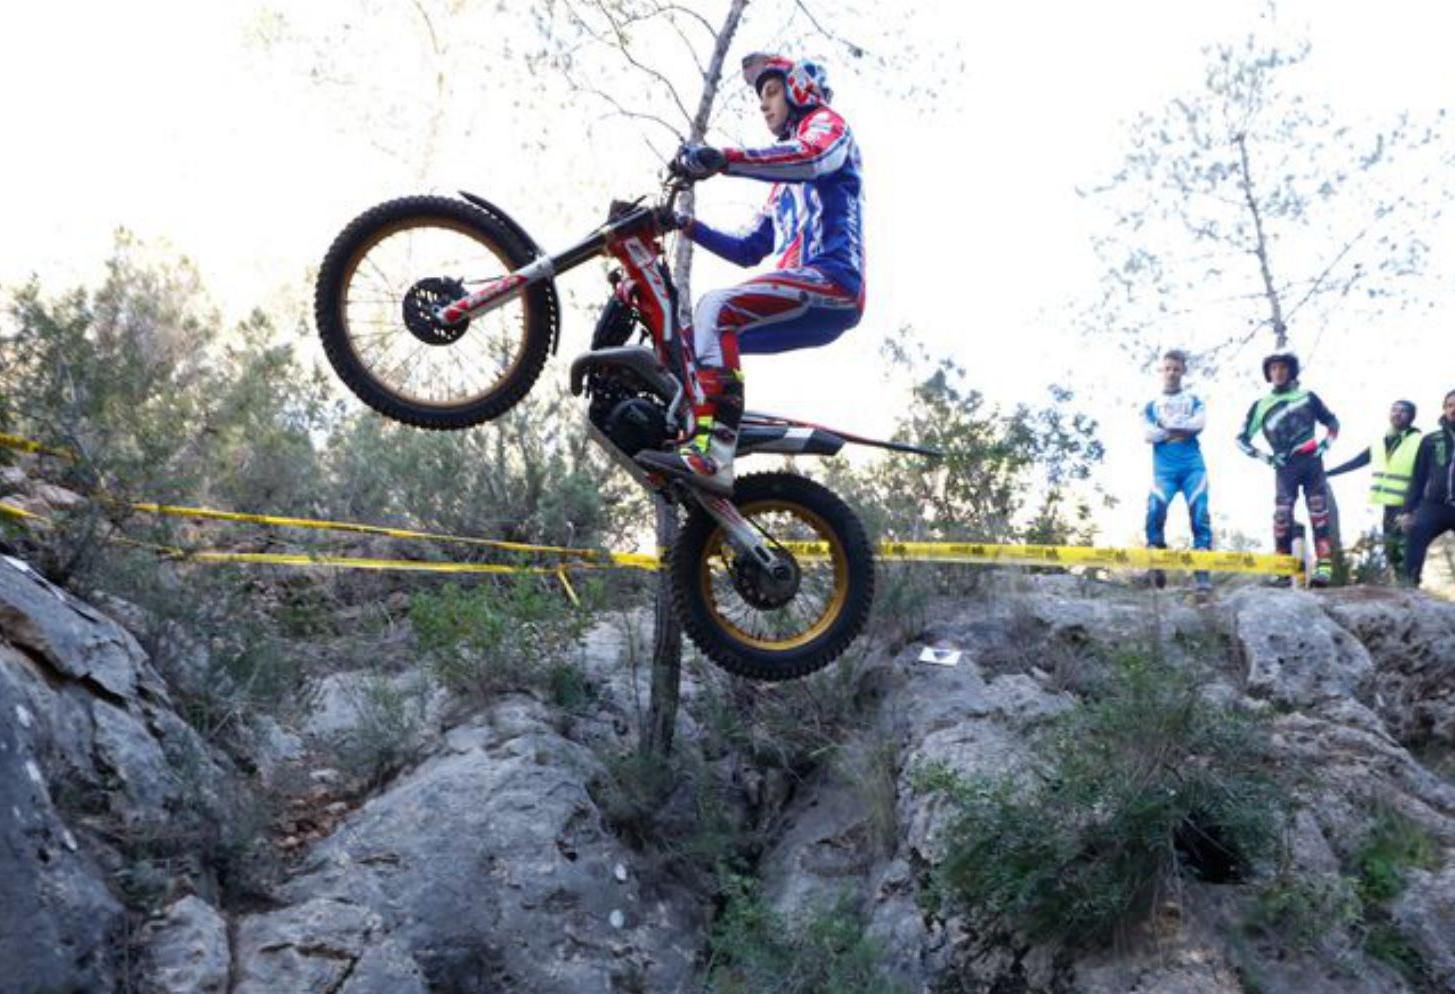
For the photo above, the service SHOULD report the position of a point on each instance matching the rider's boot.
(1323, 573)
(707, 460)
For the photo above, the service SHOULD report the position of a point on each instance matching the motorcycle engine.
(635, 424)
(626, 414)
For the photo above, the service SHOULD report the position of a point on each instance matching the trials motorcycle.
(440, 312)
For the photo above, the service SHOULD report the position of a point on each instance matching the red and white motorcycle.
(440, 313)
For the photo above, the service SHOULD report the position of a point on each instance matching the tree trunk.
(656, 738)
(1265, 267)
(711, 81)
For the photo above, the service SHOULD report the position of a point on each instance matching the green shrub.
(1139, 787)
(1301, 911)
(512, 634)
(676, 808)
(1392, 846)
(1385, 942)
(387, 735)
(1020, 474)
(793, 727)
(755, 950)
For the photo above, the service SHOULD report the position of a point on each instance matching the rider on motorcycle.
(813, 220)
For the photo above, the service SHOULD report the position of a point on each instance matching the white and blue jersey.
(1171, 423)
(1168, 412)
(814, 216)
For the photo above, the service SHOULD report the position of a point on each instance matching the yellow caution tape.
(628, 559)
(349, 562)
(26, 445)
(566, 583)
(350, 526)
(934, 552)
(1069, 555)
(19, 512)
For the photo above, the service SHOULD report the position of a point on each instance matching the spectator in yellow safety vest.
(1393, 457)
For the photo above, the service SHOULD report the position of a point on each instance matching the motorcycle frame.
(633, 238)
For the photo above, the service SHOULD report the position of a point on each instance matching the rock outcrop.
(487, 863)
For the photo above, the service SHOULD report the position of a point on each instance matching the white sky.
(158, 115)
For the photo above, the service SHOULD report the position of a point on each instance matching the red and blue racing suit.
(813, 220)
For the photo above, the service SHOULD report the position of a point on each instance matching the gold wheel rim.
(838, 596)
(393, 300)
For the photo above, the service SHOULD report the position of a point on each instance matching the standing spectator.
(1288, 417)
(1393, 457)
(1173, 420)
(1429, 510)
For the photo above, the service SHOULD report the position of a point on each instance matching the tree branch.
(1280, 329)
(623, 45)
(857, 51)
(618, 107)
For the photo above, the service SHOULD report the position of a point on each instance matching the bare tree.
(1246, 211)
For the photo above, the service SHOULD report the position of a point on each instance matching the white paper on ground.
(940, 657)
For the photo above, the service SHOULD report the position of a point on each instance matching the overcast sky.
(171, 119)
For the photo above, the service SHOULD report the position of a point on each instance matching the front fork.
(741, 535)
(744, 538)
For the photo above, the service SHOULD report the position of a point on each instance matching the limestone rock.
(1295, 655)
(186, 950)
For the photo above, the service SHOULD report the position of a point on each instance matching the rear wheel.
(374, 303)
(775, 627)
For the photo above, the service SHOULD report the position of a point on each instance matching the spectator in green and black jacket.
(1393, 457)
(1288, 418)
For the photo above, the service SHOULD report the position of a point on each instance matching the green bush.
(211, 633)
(755, 950)
(513, 634)
(1391, 847)
(1148, 783)
(1004, 475)
(1301, 911)
(387, 735)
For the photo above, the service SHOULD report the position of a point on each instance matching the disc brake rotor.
(420, 304)
(764, 588)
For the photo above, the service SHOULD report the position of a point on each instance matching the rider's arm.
(745, 249)
(1197, 420)
(1186, 425)
(1361, 460)
(1153, 429)
(1325, 417)
(819, 147)
(1245, 437)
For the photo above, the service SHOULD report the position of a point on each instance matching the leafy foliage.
(1147, 784)
(1391, 847)
(755, 949)
(1003, 476)
(511, 635)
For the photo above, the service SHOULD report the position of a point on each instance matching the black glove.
(668, 220)
(698, 161)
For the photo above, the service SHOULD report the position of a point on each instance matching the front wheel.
(775, 628)
(375, 301)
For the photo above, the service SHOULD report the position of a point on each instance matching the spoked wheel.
(783, 624)
(376, 299)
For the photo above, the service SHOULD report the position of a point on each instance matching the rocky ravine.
(488, 865)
